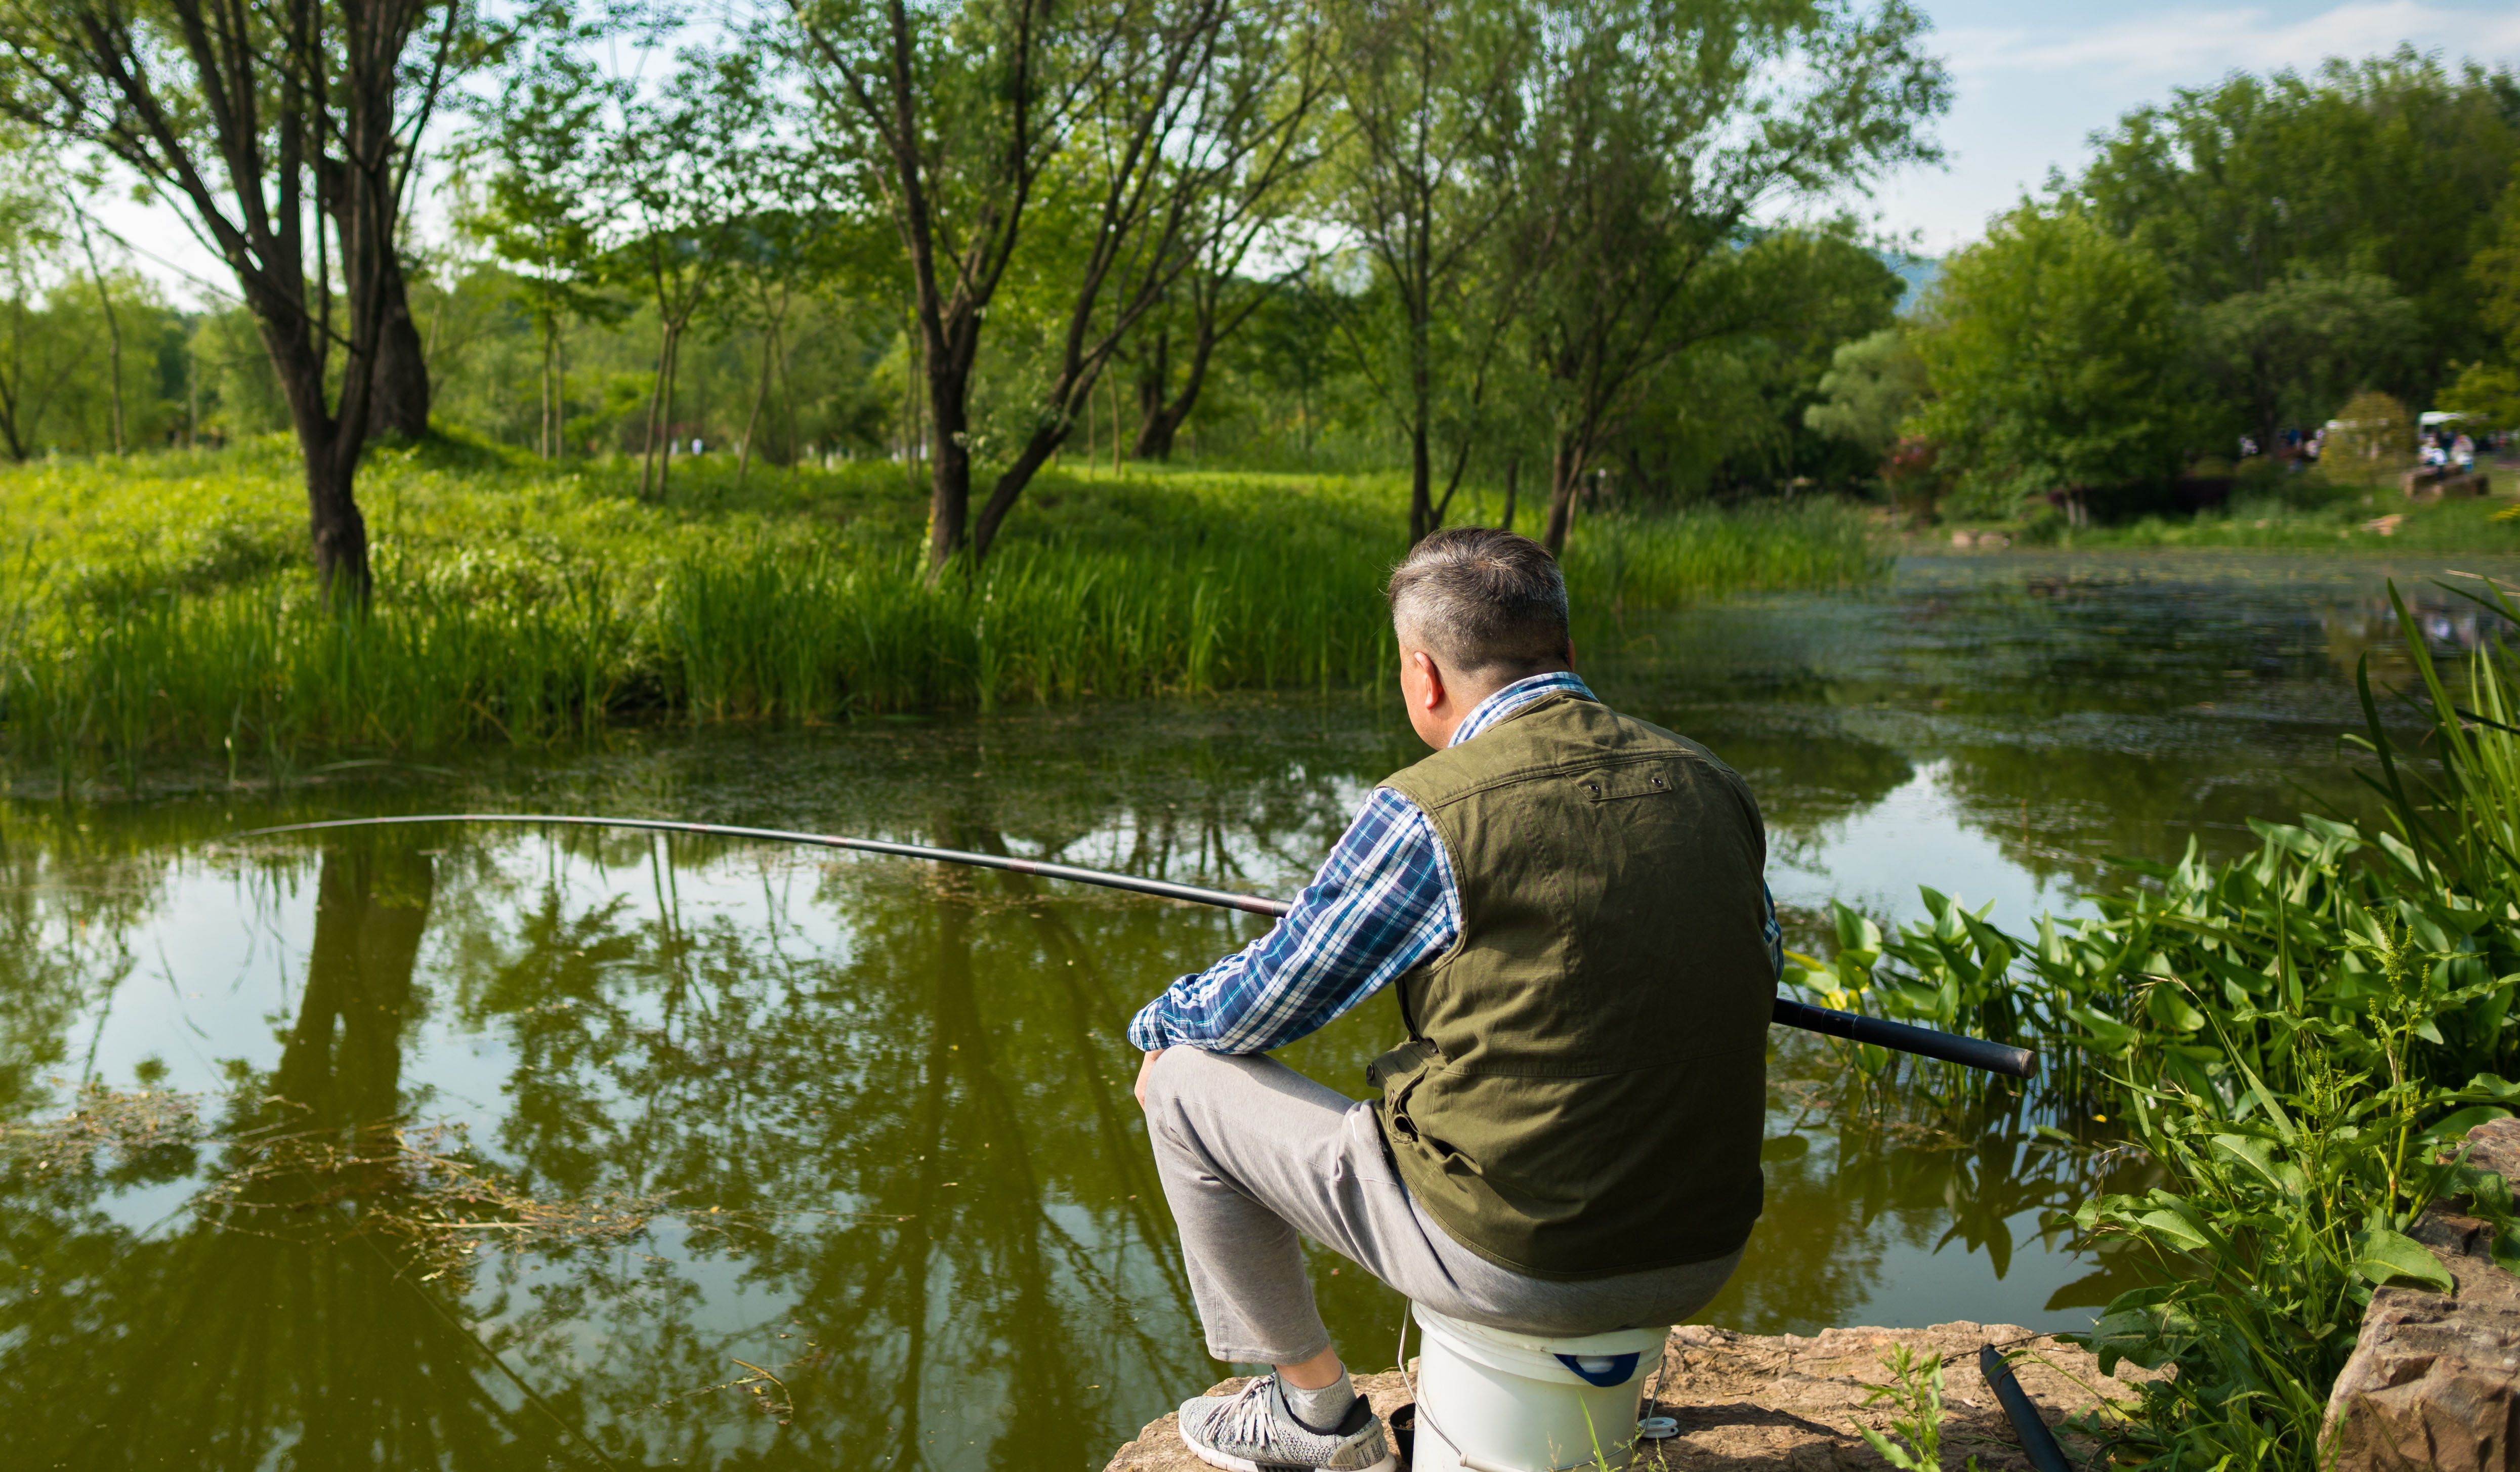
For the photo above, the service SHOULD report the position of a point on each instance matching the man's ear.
(1433, 673)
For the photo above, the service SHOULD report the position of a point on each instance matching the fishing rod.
(1880, 1032)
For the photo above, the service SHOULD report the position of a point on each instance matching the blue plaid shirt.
(1386, 901)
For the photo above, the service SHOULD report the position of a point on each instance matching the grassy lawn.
(162, 603)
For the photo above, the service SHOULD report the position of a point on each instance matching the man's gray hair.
(1481, 599)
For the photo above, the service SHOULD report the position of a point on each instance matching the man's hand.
(1142, 1070)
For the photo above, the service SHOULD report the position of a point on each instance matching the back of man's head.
(1481, 600)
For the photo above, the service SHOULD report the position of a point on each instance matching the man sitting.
(1570, 901)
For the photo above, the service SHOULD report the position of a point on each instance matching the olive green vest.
(1583, 1087)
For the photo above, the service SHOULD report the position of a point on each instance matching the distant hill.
(1917, 271)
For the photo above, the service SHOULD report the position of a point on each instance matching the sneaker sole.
(1233, 1463)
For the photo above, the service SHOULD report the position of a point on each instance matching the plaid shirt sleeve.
(1383, 902)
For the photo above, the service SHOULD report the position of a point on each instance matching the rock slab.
(1788, 1404)
(2435, 1379)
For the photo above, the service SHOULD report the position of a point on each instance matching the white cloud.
(2188, 47)
(2030, 92)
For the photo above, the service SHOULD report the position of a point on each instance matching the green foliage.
(2291, 354)
(1871, 385)
(2389, 165)
(2053, 352)
(1914, 1394)
(2373, 435)
(2489, 387)
(2295, 1039)
(156, 606)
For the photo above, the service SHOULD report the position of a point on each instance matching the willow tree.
(1124, 120)
(287, 134)
(1433, 100)
(1666, 129)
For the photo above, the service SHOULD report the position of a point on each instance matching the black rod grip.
(1900, 1037)
(2036, 1438)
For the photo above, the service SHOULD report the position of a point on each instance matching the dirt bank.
(1787, 1404)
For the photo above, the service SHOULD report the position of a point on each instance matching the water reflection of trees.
(1920, 1158)
(911, 1152)
(286, 1331)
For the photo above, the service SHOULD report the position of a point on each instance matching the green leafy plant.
(1914, 1396)
(2294, 1042)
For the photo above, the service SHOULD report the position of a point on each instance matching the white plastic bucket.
(1490, 1401)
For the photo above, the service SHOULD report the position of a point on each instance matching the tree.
(2387, 167)
(288, 135)
(2053, 356)
(1217, 300)
(692, 166)
(1663, 128)
(2489, 389)
(2373, 435)
(2290, 353)
(535, 211)
(1872, 385)
(1726, 415)
(1433, 96)
(29, 232)
(969, 118)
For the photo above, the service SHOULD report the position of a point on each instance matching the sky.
(2032, 82)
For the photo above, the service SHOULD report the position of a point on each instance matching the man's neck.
(1472, 699)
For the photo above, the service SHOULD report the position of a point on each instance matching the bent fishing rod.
(1880, 1032)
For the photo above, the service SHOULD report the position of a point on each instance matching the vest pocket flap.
(1398, 1064)
(1612, 783)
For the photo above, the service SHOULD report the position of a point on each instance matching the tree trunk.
(1164, 421)
(340, 529)
(1154, 386)
(658, 429)
(752, 421)
(550, 367)
(673, 366)
(1565, 470)
(113, 326)
(1513, 474)
(949, 474)
(1422, 479)
(399, 404)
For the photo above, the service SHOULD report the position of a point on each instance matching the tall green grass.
(159, 607)
(2294, 1043)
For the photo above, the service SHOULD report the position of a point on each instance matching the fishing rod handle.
(1902, 1037)
(2036, 1438)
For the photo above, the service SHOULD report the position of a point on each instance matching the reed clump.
(161, 607)
(2294, 1044)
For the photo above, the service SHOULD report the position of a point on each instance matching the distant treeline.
(2230, 270)
(1530, 240)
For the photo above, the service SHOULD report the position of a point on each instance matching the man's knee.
(1175, 1077)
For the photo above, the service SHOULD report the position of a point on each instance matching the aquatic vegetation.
(2296, 1040)
(158, 606)
(274, 1175)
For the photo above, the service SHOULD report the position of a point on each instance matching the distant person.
(1570, 903)
(2463, 451)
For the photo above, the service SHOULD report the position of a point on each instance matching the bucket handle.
(1621, 1368)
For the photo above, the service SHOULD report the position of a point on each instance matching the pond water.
(480, 1148)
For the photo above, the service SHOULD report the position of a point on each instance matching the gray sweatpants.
(1254, 1156)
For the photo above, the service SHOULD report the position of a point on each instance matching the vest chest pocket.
(1619, 783)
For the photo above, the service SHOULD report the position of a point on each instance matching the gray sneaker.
(1252, 1431)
